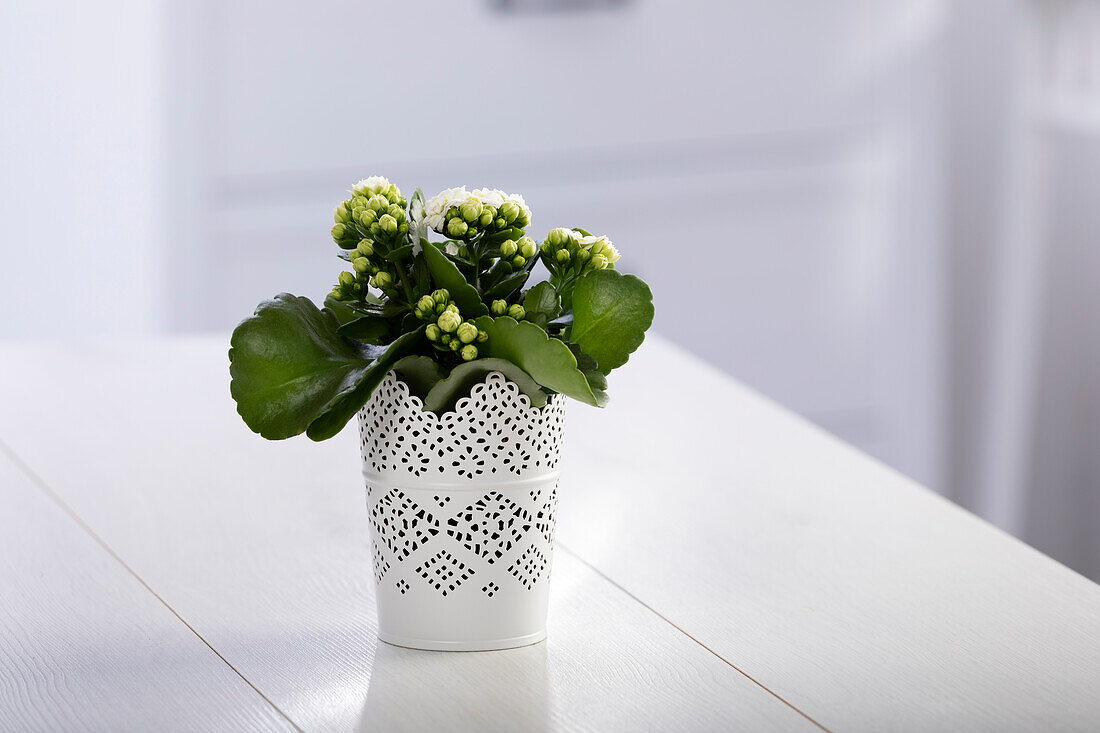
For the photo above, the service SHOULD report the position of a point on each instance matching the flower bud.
(482, 337)
(452, 308)
(499, 307)
(599, 262)
(378, 203)
(509, 211)
(446, 339)
(455, 345)
(425, 304)
(562, 256)
(337, 294)
(342, 215)
(433, 332)
(527, 247)
(522, 220)
(582, 255)
(508, 248)
(471, 209)
(468, 353)
(338, 232)
(547, 249)
(347, 279)
(456, 227)
(485, 219)
(361, 264)
(559, 237)
(403, 228)
(466, 332)
(398, 213)
(519, 261)
(500, 223)
(441, 297)
(449, 321)
(516, 311)
(388, 224)
(365, 248)
(382, 280)
(368, 217)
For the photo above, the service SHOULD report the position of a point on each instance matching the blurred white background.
(882, 214)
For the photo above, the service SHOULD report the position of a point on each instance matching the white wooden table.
(162, 568)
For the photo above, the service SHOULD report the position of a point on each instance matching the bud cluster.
(518, 252)
(501, 308)
(375, 212)
(568, 249)
(461, 214)
(446, 329)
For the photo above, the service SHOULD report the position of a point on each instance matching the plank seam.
(559, 545)
(56, 499)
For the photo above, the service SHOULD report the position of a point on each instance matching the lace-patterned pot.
(461, 515)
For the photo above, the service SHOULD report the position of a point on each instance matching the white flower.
(600, 246)
(490, 196)
(435, 209)
(370, 186)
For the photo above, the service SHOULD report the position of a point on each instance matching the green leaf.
(547, 360)
(369, 329)
(446, 275)
(499, 238)
(335, 416)
(542, 304)
(421, 373)
(399, 254)
(611, 313)
(589, 367)
(507, 286)
(288, 365)
(342, 310)
(447, 392)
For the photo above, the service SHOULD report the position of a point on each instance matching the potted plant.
(457, 360)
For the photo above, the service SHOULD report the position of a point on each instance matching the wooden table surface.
(721, 564)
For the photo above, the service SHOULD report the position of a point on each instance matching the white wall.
(81, 168)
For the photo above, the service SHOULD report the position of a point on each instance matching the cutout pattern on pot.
(381, 564)
(490, 526)
(494, 431)
(444, 571)
(401, 524)
(528, 568)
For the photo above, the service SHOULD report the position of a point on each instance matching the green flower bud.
(375, 230)
(599, 262)
(522, 220)
(455, 345)
(342, 215)
(339, 231)
(562, 256)
(508, 248)
(500, 223)
(337, 294)
(347, 279)
(403, 228)
(499, 307)
(547, 248)
(378, 202)
(466, 332)
(582, 255)
(397, 213)
(365, 248)
(468, 353)
(509, 211)
(382, 280)
(368, 217)
(559, 237)
(433, 332)
(519, 261)
(425, 304)
(388, 224)
(516, 311)
(452, 308)
(441, 296)
(456, 227)
(449, 321)
(471, 209)
(486, 218)
(446, 339)
(482, 337)
(361, 264)
(527, 247)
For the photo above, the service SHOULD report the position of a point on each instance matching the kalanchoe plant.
(441, 314)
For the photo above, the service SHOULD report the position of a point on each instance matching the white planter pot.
(461, 515)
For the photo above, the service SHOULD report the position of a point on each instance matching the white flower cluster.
(370, 186)
(599, 246)
(436, 208)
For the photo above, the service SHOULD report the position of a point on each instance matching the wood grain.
(85, 646)
(862, 598)
(262, 548)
